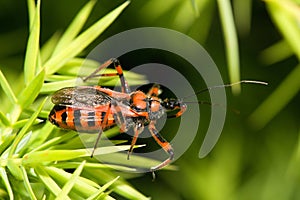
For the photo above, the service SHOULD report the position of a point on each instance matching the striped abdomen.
(79, 119)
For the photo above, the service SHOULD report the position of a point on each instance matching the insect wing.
(83, 96)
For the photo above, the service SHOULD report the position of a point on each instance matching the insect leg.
(124, 125)
(103, 125)
(154, 90)
(164, 144)
(138, 128)
(103, 66)
(119, 118)
(117, 65)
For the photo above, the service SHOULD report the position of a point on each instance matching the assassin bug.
(95, 109)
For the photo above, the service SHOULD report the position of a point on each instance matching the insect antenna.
(220, 86)
(212, 104)
(225, 86)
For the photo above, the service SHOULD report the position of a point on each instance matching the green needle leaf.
(75, 65)
(27, 183)
(68, 186)
(7, 141)
(286, 22)
(231, 42)
(4, 119)
(54, 86)
(74, 27)
(5, 180)
(37, 139)
(82, 186)
(48, 47)
(121, 186)
(7, 89)
(59, 155)
(14, 169)
(82, 41)
(47, 180)
(275, 53)
(98, 194)
(53, 155)
(25, 128)
(32, 50)
(288, 88)
(31, 11)
(195, 7)
(32, 90)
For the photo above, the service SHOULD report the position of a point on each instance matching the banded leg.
(164, 144)
(117, 65)
(138, 128)
(119, 118)
(103, 125)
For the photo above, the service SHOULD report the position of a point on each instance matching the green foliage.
(257, 157)
(31, 166)
(285, 15)
(231, 41)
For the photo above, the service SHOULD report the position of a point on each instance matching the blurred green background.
(258, 154)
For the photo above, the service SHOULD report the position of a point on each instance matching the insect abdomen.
(77, 119)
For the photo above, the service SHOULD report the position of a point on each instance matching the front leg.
(138, 128)
(164, 144)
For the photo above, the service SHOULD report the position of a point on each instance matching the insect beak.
(174, 107)
(183, 108)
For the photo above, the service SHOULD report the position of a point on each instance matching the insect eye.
(138, 109)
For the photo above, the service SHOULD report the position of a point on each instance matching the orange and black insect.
(94, 109)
